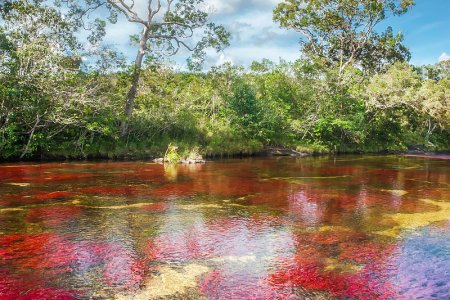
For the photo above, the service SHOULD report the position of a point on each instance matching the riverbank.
(195, 153)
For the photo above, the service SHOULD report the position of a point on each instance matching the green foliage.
(243, 108)
(55, 106)
(342, 32)
(171, 156)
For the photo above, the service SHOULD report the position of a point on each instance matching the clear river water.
(349, 227)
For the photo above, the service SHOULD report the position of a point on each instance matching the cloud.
(220, 7)
(444, 56)
(223, 59)
(246, 54)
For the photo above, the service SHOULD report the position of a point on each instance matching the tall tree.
(343, 32)
(43, 89)
(167, 27)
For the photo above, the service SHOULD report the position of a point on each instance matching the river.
(348, 227)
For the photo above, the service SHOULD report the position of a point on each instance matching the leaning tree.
(167, 26)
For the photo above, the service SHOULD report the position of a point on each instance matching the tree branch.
(127, 11)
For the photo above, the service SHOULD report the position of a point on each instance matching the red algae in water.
(311, 277)
(54, 195)
(365, 253)
(53, 215)
(278, 238)
(48, 293)
(15, 287)
(39, 251)
(174, 190)
(111, 191)
(307, 270)
(220, 284)
(35, 196)
(156, 207)
(20, 171)
(46, 178)
(124, 272)
(53, 255)
(336, 237)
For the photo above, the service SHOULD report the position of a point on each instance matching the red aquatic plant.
(14, 171)
(71, 177)
(365, 285)
(18, 198)
(10, 287)
(226, 284)
(28, 254)
(148, 174)
(30, 288)
(42, 251)
(308, 276)
(335, 237)
(111, 191)
(53, 215)
(307, 270)
(210, 284)
(49, 294)
(340, 171)
(48, 178)
(123, 271)
(156, 207)
(34, 196)
(174, 190)
(228, 186)
(18, 245)
(54, 195)
(50, 255)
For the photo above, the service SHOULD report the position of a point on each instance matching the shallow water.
(352, 227)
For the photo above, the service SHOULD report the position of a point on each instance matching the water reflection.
(352, 227)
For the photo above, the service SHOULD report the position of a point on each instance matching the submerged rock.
(192, 161)
(277, 151)
(170, 282)
(413, 221)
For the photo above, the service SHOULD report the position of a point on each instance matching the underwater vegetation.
(314, 228)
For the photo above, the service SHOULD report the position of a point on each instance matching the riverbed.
(348, 227)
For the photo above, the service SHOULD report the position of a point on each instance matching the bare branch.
(158, 8)
(131, 15)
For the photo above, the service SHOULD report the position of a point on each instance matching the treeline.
(56, 105)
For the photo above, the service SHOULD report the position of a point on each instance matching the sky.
(255, 36)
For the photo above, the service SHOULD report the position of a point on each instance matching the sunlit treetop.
(344, 31)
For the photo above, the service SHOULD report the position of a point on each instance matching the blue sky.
(427, 30)
(255, 36)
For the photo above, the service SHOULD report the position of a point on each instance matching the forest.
(65, 95)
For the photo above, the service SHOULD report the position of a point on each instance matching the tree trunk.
(135, 81)
(25, 151)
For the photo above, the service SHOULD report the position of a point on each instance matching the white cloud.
(238, 6)
(223, 59)
(245, 55)
(444, 56)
